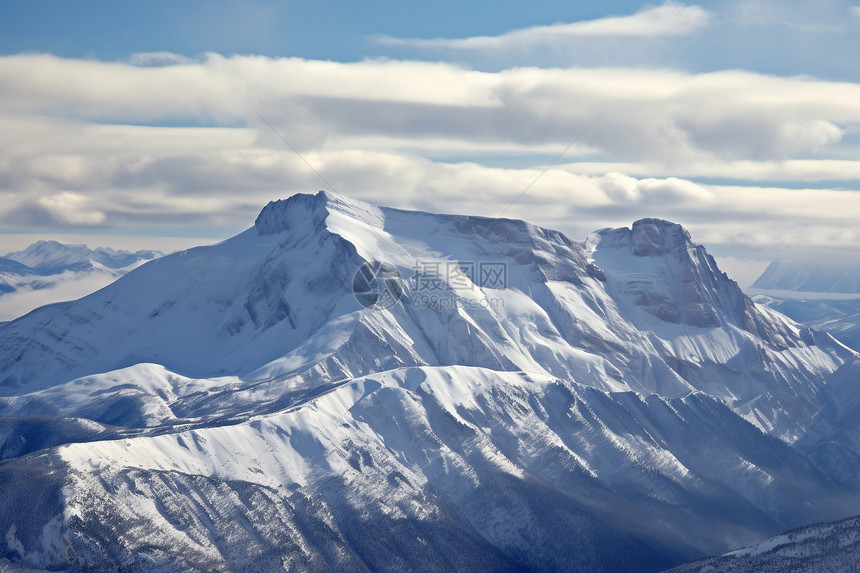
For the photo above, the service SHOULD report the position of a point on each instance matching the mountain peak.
(43, 254)
(649, 237)
(283, 214)
(305, 211)
(683, 286)
(655, 237)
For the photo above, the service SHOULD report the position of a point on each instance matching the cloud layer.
(165, 140)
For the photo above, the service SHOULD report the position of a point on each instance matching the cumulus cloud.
(626, 190)
(670, 19)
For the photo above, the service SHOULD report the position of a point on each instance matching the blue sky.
(739, 119)
(786, 37)
(323, 29)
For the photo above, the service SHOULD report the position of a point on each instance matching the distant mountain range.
(52, 257)
(49, 271)
(804, 276)
(815, 295)
(350, 387)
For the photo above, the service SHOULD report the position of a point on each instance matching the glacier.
(617, 404)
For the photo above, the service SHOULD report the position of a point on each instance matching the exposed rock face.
(689, 288)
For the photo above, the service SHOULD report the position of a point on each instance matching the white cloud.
(792, 170)
(624, 189)
(216, 88)
(651, 114)
(374, 128)
(670, 19)
(71, 208)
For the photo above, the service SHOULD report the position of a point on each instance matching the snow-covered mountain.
(53, 257)
(49, 271)
(822, 547)
(805, 276)
(523, 401)
(839, 317)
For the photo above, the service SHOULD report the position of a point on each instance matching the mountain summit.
(521, 401)
(688, 289)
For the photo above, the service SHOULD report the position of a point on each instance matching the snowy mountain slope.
(48, 271)
(839, 317)
(822, 547)
(804, 276)
(709, 332)
(832, 437)
(232, 309)
(240, 394)
(502, 458)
